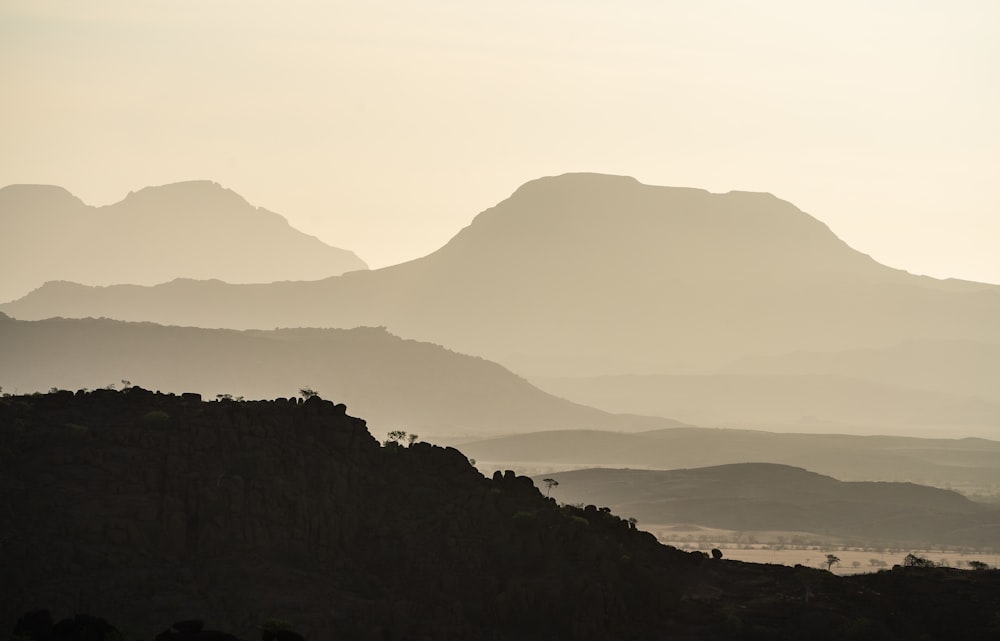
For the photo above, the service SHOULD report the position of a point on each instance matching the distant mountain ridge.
(395, 383)
(592, 274)
(194, 229)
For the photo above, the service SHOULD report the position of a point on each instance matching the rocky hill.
(592, 274)
(194, 229)
(394, 383)
(149, 508)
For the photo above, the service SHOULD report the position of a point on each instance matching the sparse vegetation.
(396, 438)
(913, 561)
(550, 483)
(831, 560)
(308, 392)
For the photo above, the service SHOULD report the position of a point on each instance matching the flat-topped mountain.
(587, 273)
(194, 229)
(150, 508)
(395, 383)
(766, 496)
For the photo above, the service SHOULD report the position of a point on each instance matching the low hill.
(800, 401)
(149, 508)
(193, 229)
(396, 383)
(969, 464)
(959, 367)
(764, 496)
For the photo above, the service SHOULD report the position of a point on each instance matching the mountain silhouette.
(194, 229)
(395, 383)
(594, 274)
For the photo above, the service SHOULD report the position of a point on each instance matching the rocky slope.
(193, 229)
(148, 508)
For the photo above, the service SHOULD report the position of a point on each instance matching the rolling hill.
(970, 464)
(764, 496)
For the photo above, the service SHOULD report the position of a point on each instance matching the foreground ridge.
(147, 508)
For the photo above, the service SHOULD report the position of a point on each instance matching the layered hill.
(970, 464)
(765, 496)
(396, 383)
(594, 274)
(193, 229)
(810, 400)
(149, 508)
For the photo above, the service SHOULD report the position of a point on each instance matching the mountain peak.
(201, 192)
(578, 180)
(49, 196)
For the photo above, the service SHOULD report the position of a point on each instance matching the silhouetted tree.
(397, 438)
(830, 560)
(913, 561)
(716, 553)
(551, 483)
(308, 392)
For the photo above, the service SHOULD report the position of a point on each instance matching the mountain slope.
(396, 383)
(192, 229)
(764, 496)
(592, 274)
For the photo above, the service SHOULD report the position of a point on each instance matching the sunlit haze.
(384, 127)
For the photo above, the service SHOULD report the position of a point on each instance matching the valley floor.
(810, 550)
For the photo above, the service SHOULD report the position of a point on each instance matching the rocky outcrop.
(147, 508)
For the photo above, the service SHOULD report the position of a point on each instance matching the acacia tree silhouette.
(551, 483)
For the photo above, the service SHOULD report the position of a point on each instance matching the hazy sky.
(384, 127)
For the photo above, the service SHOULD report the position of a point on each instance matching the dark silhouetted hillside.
(593, 274)
(146, 509)
(395, 383)
(765, 496)
(192, 229)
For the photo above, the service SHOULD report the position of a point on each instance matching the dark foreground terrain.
(148, 509)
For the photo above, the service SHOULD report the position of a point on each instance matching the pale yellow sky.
(384, 127)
